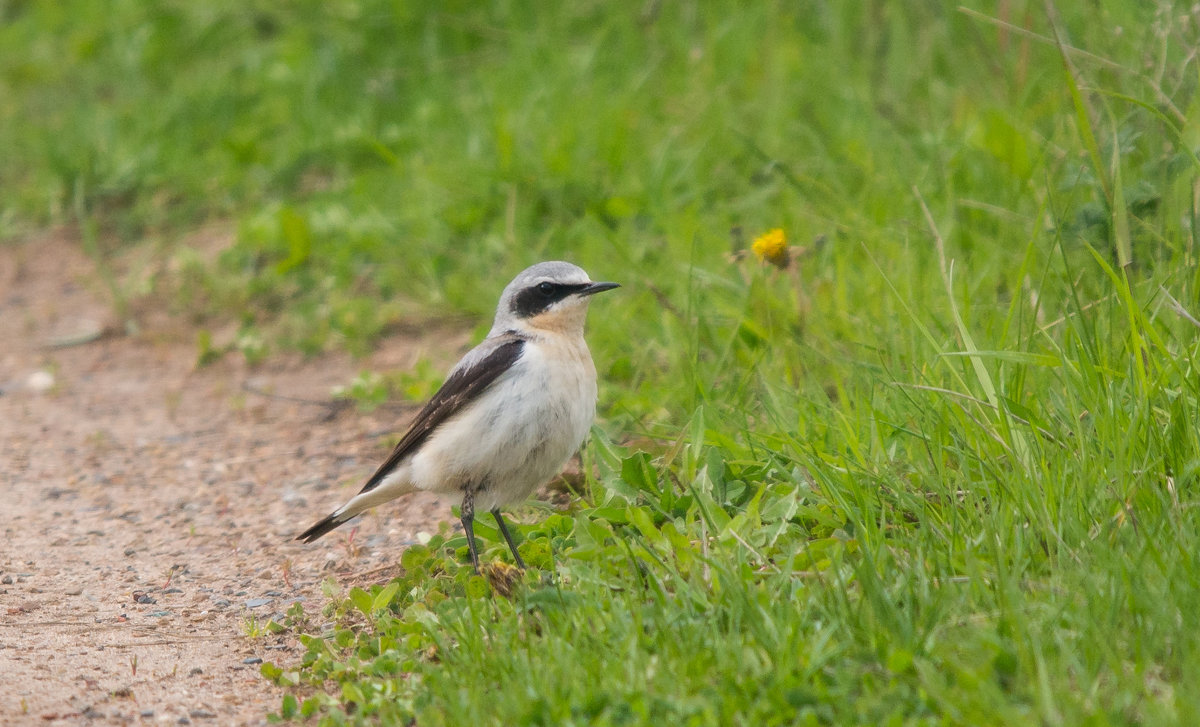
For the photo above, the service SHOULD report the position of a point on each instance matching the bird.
(510, 414)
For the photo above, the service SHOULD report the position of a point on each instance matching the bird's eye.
(545, 288)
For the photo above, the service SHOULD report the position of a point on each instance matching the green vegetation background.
(942, 469)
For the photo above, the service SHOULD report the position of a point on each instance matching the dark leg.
(508, 538)
(468, 518)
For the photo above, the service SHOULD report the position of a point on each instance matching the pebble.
(6, 580)
(256, 602)
(145, 599)
(201, 714)
(74, 591)
(39, 382)
(252, 660)
(129, 551)
(195, 670)
(173, 590)
(291, 498)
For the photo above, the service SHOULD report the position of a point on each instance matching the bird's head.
(547, 297)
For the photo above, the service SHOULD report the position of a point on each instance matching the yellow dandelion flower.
(772, 247)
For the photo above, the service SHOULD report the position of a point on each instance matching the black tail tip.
(316, 531)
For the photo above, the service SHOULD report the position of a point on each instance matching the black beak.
(593, 288)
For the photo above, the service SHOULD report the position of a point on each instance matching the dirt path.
(147, 507)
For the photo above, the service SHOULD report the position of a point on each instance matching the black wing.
(463, 387)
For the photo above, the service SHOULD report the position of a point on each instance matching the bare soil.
(148, 506)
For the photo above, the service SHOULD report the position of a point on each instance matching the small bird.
(510, 414)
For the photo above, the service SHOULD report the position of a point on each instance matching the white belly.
(517, 435)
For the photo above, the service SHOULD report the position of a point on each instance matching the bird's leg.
(468, 517)
(507, 537)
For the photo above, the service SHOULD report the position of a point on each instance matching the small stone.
(129, 551)
(173, 590)
(183, 720)
(145, 599)
(201, 714)
(6, 580)
(74, 591)
(195, 670)
(256, 602)
(252, 660)
(291, 498)
(146, 713)
(221, 603)
(39, 382)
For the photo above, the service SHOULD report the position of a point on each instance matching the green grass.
(942, 470)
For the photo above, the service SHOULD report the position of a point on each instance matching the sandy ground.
(147, 506)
